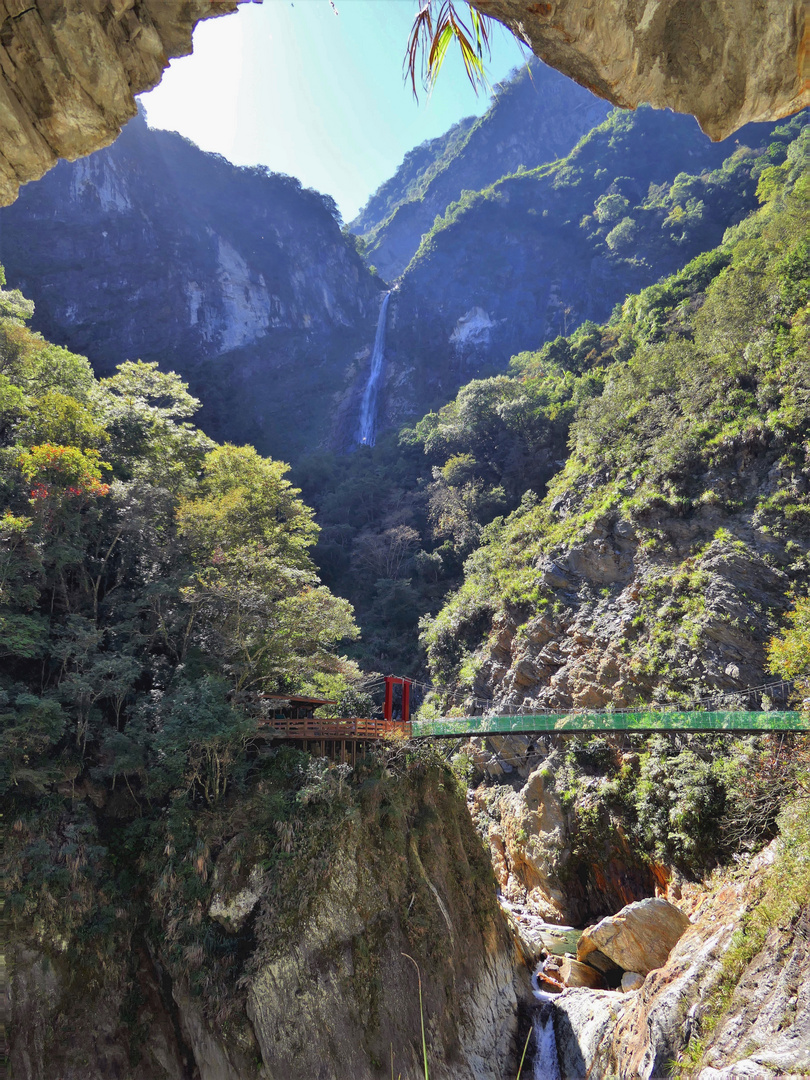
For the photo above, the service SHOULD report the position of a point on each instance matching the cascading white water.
(367, 427)
(546, 1061)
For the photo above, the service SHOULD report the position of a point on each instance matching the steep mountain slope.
(661, 558)
(537, 254)
(535, 117)
(243, 283)
(236, 278)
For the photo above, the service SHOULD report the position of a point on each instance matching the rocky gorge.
(616, 516)
(705, 976)
(285, 948)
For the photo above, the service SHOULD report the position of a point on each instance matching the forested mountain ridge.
(237, 278)
(535, 117)
(243, 283)
(537, 254)
(146, 571)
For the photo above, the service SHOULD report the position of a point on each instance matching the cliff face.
(236, 278)
(69, 71)
(154, 247)
(306, 921)
(535, 117)
(727, 63)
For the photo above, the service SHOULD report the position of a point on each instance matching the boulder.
(575, 973)
(631, 980)
(639, 938)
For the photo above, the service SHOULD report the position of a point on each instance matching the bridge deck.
(351, 728)
(370, 729)
(643, 721)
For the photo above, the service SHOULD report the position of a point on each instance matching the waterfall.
(546, 1062)
(367, 427)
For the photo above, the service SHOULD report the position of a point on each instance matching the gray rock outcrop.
(325, 988)
(598, 649)
(152, 249)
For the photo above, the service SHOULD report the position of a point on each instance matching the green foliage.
(437, 26)
(789, 651)
(244, 500)
(170, 555)
(148, 578)
(579, 208)
(30, 726)
(688, 801)
(199, 740)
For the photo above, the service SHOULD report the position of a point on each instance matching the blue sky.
(294, 86)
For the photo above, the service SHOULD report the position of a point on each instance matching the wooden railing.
(351, 728)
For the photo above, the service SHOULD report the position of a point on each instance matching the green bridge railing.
(649, 720)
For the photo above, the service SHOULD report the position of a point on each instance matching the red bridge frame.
(388, 707)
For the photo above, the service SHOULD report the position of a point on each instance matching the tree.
(245, 499)
(146, 413)
(789, 651)
(264, 621)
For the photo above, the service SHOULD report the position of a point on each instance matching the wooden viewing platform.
(291, 717)
(349, 728)
(341, 740)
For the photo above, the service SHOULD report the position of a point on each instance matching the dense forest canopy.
(144, 568)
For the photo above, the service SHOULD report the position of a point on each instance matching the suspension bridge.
(344, 738)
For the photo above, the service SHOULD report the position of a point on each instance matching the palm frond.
(432, 34)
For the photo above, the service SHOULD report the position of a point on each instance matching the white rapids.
(546, 1062)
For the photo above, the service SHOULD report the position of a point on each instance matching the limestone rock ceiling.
(728, 62)
(69, 70)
